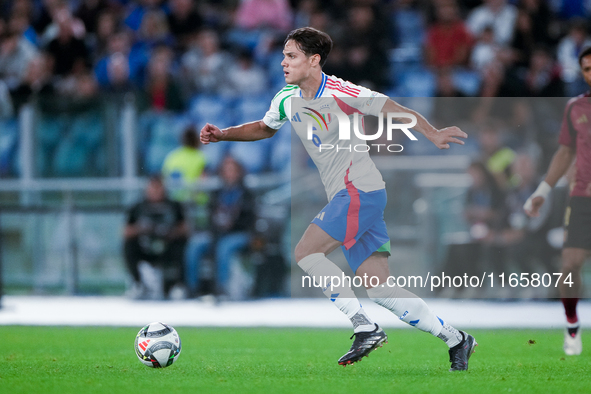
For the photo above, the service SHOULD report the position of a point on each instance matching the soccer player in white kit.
(353, 218)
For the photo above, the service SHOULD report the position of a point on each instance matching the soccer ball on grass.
(157, 345)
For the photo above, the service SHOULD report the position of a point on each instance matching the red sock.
(570, 309)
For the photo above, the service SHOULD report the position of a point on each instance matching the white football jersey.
(347, 160)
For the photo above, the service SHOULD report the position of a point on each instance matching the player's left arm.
(440, 137)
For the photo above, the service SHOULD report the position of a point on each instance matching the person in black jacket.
(231, 217)
(156, 232)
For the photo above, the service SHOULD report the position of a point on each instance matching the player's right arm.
(559, 165)
(275, 117)
(561, 162)
(252, 131)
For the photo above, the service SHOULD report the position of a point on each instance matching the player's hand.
(210, 133)
(443, 137)
(532, 206)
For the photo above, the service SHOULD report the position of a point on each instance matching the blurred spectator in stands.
(533, 28)
(80, 87)
(523, 40)
(366, 45)
(448, 41)
(497, 157)
(336, 64)
(568, 56)
(205, 64)
(89, 11)
(20, 21)
(68, 49)
(119, 70)
(445, 110)
(264, 14)
(156, 232)
(245, 77)
(62, 16)
(118, 74)
(542, 78)
(162, 92)
(138, 9)
(86, 86)
(258, 23)
(498, 14)
(523, 237)
(303, 13)
(322, 20)
(485, 202)
(183, 167)
(153, 32)
(184, 21)
(231, 221)
(484, 215)
(520, 244)
(106, 27)
(36, 81)
(15, 54)
(491, 60)
(485, 52)
(43, 15)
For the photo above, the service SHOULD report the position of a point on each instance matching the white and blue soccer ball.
(157, 345)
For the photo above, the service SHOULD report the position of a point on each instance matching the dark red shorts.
(577, 223)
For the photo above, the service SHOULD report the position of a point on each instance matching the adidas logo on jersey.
(320, 216)
(296, 118)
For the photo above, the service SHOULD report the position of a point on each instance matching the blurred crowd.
(168, 51)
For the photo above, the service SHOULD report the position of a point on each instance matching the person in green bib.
(183, 167)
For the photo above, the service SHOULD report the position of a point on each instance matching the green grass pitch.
(283, 360)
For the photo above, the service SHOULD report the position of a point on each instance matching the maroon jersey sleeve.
(567, 134)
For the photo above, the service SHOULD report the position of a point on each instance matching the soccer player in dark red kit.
(575, 142)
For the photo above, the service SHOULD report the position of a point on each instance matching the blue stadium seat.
(212, 109)
(467, 82)
(254, 156)
(408, 28)
(416, 82)
(248, 109)
(275, 71)
(280, 159)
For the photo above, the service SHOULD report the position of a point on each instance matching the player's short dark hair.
(312, 42)
(585, 52)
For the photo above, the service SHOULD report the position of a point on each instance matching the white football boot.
(573, 344)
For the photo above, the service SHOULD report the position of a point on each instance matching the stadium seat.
(280, 150)
(212, 109)
(254, 156)
(248, 109)
(416, 82)
(467, 82)
(218, 111)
